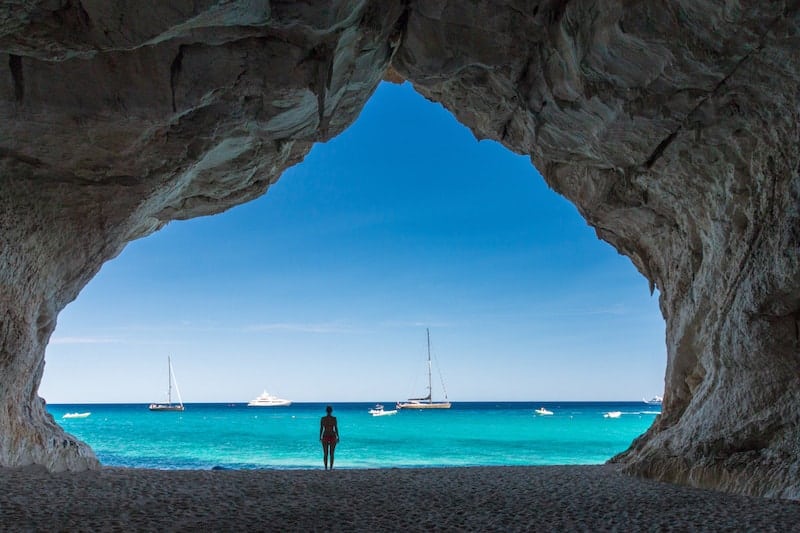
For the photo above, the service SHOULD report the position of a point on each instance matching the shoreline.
(504, 498)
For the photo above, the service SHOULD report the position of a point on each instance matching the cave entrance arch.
(376, 232)
(669, 126)
(381, 229)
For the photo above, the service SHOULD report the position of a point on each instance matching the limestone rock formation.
(672, 126)
(117, 120)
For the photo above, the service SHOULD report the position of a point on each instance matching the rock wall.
(672, 126)
(116, 121)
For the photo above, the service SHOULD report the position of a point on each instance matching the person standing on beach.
(328, 435)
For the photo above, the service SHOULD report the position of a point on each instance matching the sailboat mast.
(169, 378)
(430, 385)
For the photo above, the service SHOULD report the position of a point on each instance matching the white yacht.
(543, 412)
(655, 400)
(612, 414)
(268, 400)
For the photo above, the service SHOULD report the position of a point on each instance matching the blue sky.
(321, 289)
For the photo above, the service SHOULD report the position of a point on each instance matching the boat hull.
(163, 407)
(286, 403)
(432, 405)
(383, 413)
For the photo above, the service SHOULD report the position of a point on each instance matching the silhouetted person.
(328, 435)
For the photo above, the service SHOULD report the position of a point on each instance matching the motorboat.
(543, 412)
(76, 415)
(266, 399)
(655, 400)
(378, 410)
(612, 414)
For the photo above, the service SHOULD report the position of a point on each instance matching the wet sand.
(541, 498)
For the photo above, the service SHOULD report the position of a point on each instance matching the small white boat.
(655, 400)
(378, 410)
(613, 414)
(543, 412)
(269, 400)
(75, 415)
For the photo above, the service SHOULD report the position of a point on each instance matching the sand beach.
(540, 498)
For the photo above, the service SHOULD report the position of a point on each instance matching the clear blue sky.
(321, 290)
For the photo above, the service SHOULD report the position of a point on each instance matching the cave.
(672, 127)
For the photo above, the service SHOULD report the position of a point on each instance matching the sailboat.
(169, 406)
(426, 402)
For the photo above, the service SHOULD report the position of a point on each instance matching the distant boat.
(268, 400)
(378, 410)
(75, 415)
(426, 402)
(169, 406)
(543, 412)
(612, 414)
(655, 400)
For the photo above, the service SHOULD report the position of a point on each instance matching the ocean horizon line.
(359, 402)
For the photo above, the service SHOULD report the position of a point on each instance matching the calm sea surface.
(469, 434)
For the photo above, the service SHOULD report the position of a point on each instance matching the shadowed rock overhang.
(672, 126)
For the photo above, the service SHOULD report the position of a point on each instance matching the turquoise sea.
(469, 434)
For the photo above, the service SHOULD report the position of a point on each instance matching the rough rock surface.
(672, 126)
